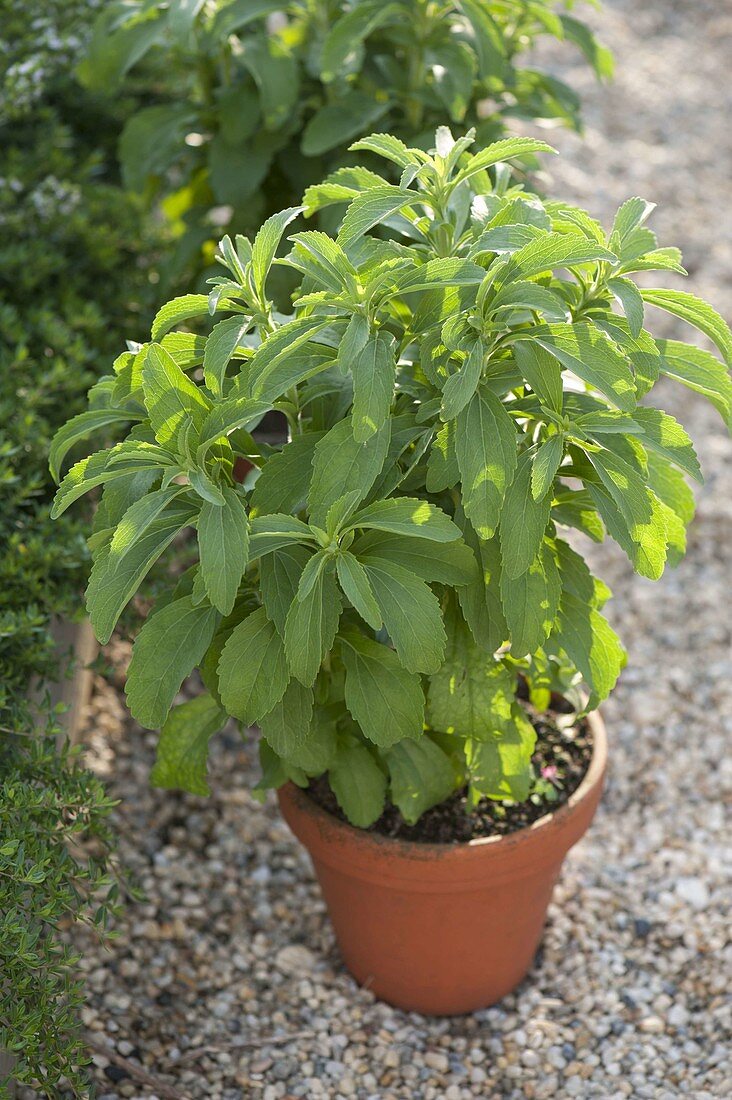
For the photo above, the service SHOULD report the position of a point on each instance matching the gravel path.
(226, 982)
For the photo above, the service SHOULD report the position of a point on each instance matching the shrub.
(461, 378)
(251, 102)
(55, 865)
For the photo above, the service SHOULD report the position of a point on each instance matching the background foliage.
(247, 102)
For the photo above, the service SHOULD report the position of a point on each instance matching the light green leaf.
(443, 471)
(523, 521)
(486, 453)
(253, 673)
(171, 399)
(177, 310)
(80, 427)
(391, 148)
(312, 621)
(700, 371)
(589, 354)
(237, 411)
(279, 576)
(267, 378)
(373, 371)
(666, 436)
(385, 699)
(287, 725)
(407, 516)
(543, 373)
(266, 243)
(223, 545)
(334, 124)
(358, 783)
(220, 346)
(500, 151)
(285, 479)
(695, 312)
(171, 643)
(460, 387)
(136, 520)
(500, 767)
(472, 693)
(371, 208)
(550, 251)
(421, 775)
(411, 614)
(451, 563)
(634, 512)
(111, 587)
(629, 296)
(591, 644)
(104, 466)
(480, 599)
(270, 532)
(182, 751)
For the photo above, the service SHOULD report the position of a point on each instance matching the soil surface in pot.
(561, 759)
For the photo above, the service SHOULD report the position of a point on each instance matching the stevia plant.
(461, 376)
(244, 103)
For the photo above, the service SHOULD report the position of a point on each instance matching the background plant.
(461, 378)
(246, 103)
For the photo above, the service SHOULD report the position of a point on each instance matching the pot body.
(438, 928)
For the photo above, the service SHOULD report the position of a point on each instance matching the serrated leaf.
(358, 783)
(631, 301)
(391, 148)
(486, 452)
(575, 508)
(253, 672)
(499, 151)
(523, 521)
(223, 545)
(666, 436)
(342, 465)
(167, 649)
(550, 251)
(500, 766)
(700, 371)
(237, 411)
(695, 311)
(443, 471)
(182, 750)
(177, 310)
(407, 516)
(372, 208)
(111, 587)
(589, 354)
(634, 513)
(545, 465)
(312, 622)
(421, 775)
(591, 644)
(279, 576)
(136, 520)
(223, 341)
(171, 399)
(385, 699)
(460, 387)
(450, 563)
(543, 373)
(471, 695)
(354, 581)
(266, 382)
(269, 533)
(101, 467)
(283, 484)
(530, 603)
(287, 725)
(373, 370)
(411, 614)
(81, 427)
(266, 243)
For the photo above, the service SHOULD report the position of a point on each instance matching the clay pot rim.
(377, 846)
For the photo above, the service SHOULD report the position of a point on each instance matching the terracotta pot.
(441, 928)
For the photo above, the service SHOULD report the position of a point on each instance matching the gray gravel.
(226, 982)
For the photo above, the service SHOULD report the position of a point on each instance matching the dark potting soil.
(561, 759)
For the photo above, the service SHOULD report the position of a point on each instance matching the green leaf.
(114, 50)
(167, 649)
(435, 274)
(543, 373)
(225, 338)
(460, 387)
(633, 514)
(631, 300)
(500, 767)
(480, 599)
(589, 354)
(223, 545)
(666, 436)
(358, 783)
(151, 140)
(267, 379)
(574, 508)
(373, 371)
(283, 484)
(500, 151)
(599, 56)
(312, 622)
(385, 699)
(279, 576)
(372, 208)
(341, 465)
(287, 725)
(81, 427)
(171, 399)
(591, 644)
(421, 775)
(177, 310)
(266, 243)
(136, 520)
(345, 37)
(277, 76)
(253, 672)
(700, 371)
(530, 603)
(270, 532)
(451, 563)
(182, 752)
(334, 124)
(411, 614)
(549, 251)
(407, 516)
(486, 454)
(443, 471)
(545, 465)
(318, 256)
(104, 466)
(523, 520)
(237, 411)
(111, 587)
(390, 148)
(354, 581)
(237, 14)
(472, 693)
(695, 312)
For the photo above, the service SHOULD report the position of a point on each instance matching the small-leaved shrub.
(246, 102)
(462, 378)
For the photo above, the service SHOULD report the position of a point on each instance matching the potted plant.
(395, 595)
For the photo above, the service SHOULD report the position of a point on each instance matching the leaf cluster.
(462, 377)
